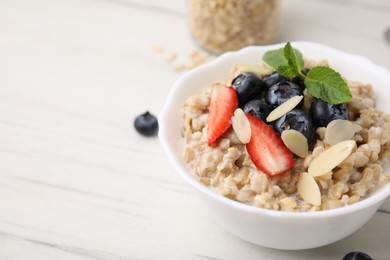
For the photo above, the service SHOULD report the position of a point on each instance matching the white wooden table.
(77, 181)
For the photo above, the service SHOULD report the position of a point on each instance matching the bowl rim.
(184, 171)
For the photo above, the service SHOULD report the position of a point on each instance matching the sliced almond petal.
(259, 69)
(296, 142)
(331, 157)
(340, 130)
(308, 189)
(284, 108)
(241, 126)
(321, 132)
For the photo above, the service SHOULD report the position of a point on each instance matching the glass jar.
(227, 25)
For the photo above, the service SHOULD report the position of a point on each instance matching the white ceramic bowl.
(274, 229)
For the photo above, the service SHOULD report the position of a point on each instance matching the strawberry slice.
(223, 103)
(267, 150)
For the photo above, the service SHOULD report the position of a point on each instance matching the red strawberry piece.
(223, 103)
(267, 150)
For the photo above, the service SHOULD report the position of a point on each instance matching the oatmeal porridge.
(317, 155)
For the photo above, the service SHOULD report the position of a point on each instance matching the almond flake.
(259, 69)
(308, 189)
(284, 108)
(241, 126)
(331, 158)
(296, 142)
(340, 130)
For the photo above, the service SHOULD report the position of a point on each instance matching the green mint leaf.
(326, 84)
(286, 71)
(287, 61)
(321, 82)
(275, 58)
(294, 59)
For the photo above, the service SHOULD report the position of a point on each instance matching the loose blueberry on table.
(357, 256)
(146, 124)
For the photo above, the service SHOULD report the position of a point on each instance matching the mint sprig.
(287, 61)
(326, 84)
(321, 82)
(275, 59)
(294, 59)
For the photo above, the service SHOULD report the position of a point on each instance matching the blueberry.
(281, 92)
(357, 256)
(273, 78)
(323, 112)
(146, 124)
(248, 86)
(257, 108)
(298, 120)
